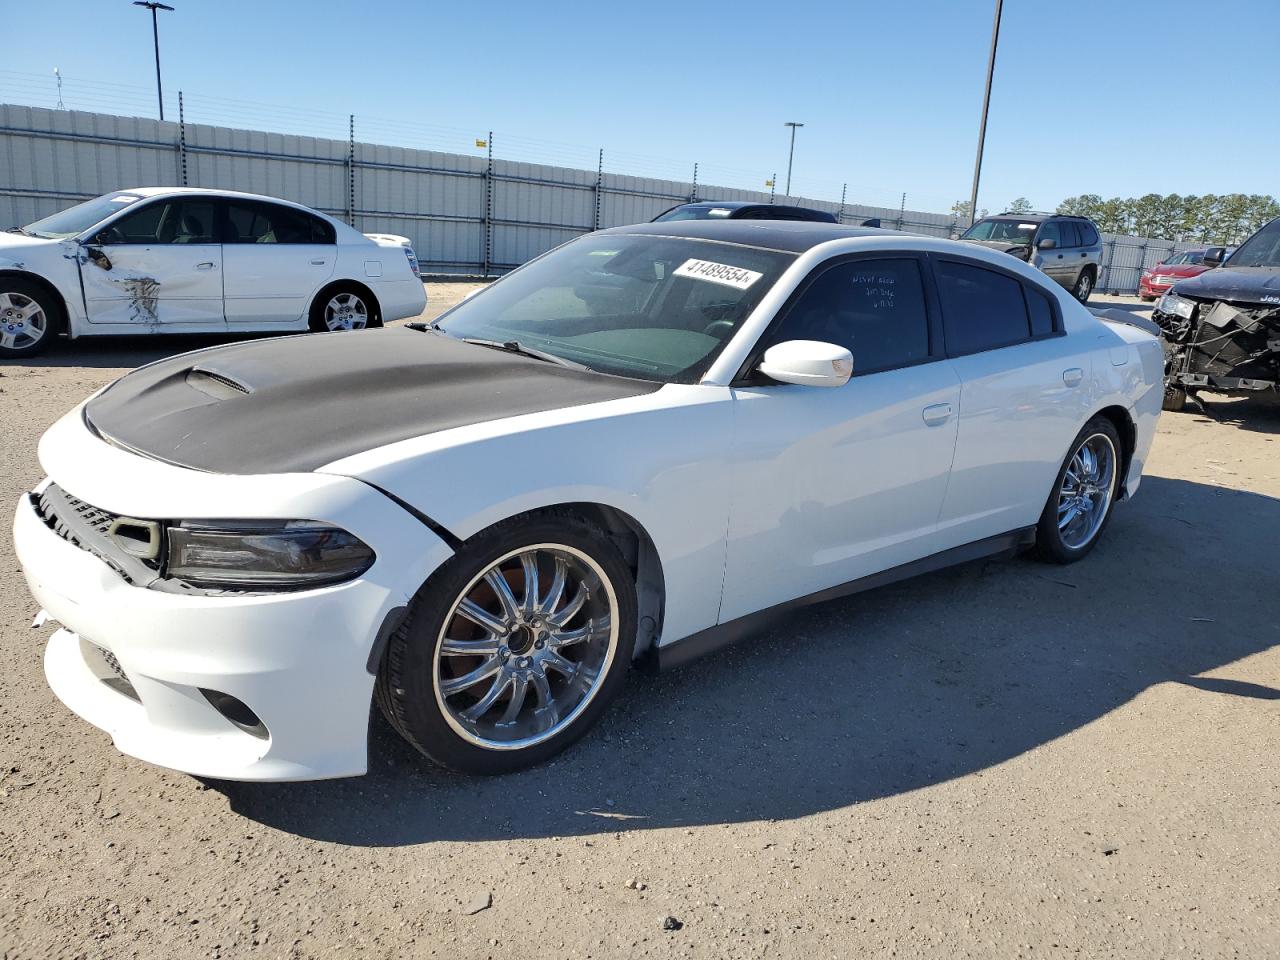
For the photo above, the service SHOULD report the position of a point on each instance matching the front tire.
(29, 318)
(1083, 496)
(513, 649)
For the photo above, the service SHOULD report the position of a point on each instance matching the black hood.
(296, 403)
(1258, 285)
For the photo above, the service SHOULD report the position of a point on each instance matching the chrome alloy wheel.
(22, 321)
(510, 673)
(346, 311)
(1084, 286)
(1087, 488)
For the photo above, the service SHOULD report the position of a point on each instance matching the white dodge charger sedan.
(183, 260)
(639, 445)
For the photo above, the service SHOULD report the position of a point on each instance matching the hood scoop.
(219, 386)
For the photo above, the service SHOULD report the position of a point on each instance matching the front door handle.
(937, 413)
(207, 265)
(1072, 375)
(318, 263)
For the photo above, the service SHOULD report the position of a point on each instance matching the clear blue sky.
(1094, 96)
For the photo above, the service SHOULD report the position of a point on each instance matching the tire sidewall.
(1080, 293)
(406, 676)
(1049, 542)
(316, 318)
(52, 312)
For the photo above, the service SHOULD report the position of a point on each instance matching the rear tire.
(30, 318)
(344, 307)
(1084, 286)
(1079, 507)
(484, 676)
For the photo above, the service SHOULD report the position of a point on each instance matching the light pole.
(986, 102)
(155, 35)
(792, 154)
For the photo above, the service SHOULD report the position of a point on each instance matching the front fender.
(661, 458)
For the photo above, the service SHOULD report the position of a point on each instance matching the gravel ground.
(1001, 760)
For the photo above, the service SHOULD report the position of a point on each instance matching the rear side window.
(1070, 238)
(981, 309)
(1088, 235)
(1041, 312)
(873, 308)
(250, 222)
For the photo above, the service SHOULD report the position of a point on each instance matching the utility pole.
(792, 154)
(155, 36)
(986, 102)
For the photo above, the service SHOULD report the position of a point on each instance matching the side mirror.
(1048, 243)
(1214, 256)
(809, 363)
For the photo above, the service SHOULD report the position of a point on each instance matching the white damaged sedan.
(640, 445)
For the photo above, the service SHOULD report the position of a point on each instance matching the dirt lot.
(1002, 760)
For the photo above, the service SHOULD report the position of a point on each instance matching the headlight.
(1176, 306)
(264, 554)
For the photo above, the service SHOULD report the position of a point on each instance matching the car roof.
(150, 192)
(789, 236)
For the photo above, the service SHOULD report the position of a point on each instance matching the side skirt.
(706, 641)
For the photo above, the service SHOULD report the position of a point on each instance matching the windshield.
(655, 308)
(1010, 231)
(1185, 259)
(76, 220)
(689, 212)
(1260, 250)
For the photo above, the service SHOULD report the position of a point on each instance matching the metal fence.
(466, 215)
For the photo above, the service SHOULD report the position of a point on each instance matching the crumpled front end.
(1225, 347)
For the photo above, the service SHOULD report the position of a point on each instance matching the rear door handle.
(937, 413)
(1072, 375)
(319, 263)
(207, 265)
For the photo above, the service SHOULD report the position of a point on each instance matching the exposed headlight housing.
(264, 554)
(1176, 306)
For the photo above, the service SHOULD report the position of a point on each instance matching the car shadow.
(868, 697)
(1257, 415)
(105, 353)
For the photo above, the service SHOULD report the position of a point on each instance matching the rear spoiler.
(1124, 316)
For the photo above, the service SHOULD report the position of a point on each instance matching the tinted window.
(267, 223)
(1041, 312)
(981, 309)
(1051, 231)
(874, 308)
(1088, 235)
(1070, 238)
(171, 221)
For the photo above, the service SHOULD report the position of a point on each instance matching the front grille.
(86, 526)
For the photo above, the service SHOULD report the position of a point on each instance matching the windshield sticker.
(124, 199)
(719, 212)
(722, 273)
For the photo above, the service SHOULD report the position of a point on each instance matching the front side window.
(655, 308)
(165, 222)
(1050, 231)
(253, 222)
(981, 309)
(76, 220)
(873, 308)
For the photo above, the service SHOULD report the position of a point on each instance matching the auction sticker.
(722, 273)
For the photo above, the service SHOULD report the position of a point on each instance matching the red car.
(1157, 280)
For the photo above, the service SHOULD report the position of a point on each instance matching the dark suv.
(1066, 248)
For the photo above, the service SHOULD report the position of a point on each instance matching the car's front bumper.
(298, 660)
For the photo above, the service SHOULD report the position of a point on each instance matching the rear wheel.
(1080, 505)
(1084, 286)
(343, 308)
(514, 648)
(29, 318)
